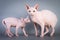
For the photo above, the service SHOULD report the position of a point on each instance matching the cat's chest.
(37, 18)
(34, 19)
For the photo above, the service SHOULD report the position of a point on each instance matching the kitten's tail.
(4, 24)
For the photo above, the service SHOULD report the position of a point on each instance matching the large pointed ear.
(27, 6)
(36, 6)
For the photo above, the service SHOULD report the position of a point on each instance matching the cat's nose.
(31, 13)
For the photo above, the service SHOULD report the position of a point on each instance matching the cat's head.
(32, 10)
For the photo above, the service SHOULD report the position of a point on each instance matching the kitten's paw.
(51, 35)
(36, 35)
(26, 35)
(9, 36)
(42, 36)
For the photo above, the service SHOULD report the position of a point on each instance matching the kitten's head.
(27, 20)
(32, 10)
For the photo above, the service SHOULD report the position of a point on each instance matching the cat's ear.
(36, 6)
(27, 6)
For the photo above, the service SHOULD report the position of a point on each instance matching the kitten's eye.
(29, 11)
(33, 10)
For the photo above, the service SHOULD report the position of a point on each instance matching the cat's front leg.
(36, 31)
(42, 30)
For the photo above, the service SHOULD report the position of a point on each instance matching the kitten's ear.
(27, 6)
(36, 6)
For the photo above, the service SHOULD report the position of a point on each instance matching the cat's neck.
(33, 15)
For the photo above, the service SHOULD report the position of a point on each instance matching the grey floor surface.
(30, 37)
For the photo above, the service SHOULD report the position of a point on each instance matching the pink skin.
(14, 22)
(44, 17)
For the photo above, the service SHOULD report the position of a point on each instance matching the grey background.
(16, 8)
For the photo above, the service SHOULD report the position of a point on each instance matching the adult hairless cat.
(43, 17)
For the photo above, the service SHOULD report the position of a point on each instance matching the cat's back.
(47, 13)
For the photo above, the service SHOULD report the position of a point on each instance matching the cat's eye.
(29, 11)
(33, 10)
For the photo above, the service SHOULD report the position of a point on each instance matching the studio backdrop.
(16, 8)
